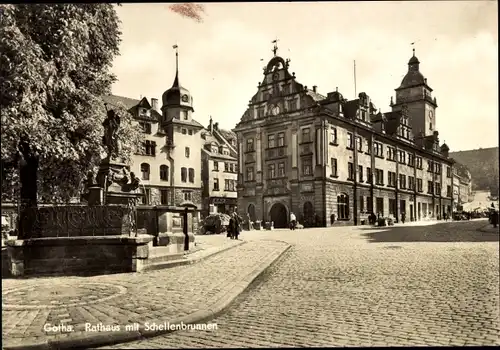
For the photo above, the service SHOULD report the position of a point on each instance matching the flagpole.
(355, 89)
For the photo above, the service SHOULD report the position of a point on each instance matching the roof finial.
(275, 48)
(412, 44)
(176, 80)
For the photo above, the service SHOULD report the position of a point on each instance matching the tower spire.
(176, 80)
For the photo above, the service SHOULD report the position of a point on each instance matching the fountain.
(100, 237)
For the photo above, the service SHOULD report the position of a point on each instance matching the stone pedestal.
(77, 255)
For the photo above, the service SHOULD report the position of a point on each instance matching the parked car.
(215, 223)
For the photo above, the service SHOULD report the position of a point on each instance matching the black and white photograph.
(249, 174)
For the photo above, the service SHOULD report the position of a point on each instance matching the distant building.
(329, 159)
(219, 170)
(462, 186)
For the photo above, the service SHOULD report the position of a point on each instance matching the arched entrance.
(251, 211)
(308, 212)
(279, 215)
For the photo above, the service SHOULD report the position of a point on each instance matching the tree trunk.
(28, 177)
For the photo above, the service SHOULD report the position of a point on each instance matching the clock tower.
(416, 95)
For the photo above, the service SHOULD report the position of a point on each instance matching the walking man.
(293, 221)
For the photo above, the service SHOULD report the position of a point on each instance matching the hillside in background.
(483, 166)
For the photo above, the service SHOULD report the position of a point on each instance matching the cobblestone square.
(338, 287)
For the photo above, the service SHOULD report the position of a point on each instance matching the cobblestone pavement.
(336, 287)
(119, 299)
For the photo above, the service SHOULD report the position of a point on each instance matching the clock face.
(276, 76)
(275, 110)
(185, 98)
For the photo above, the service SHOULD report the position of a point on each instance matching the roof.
(126, 101)
(218, 155)
(191, 122)
(392, 121)
(227, 134)
(316, 97)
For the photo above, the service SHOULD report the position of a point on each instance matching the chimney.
(314, 88)
(154, 103)
(211, 125)
(216, 126)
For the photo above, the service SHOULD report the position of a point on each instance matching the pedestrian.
(332, 219)
(250, 226)
(293, 221)
(403, 217)
(236, 225)
(494, 219)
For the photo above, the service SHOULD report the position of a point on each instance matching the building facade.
(169, 160)
(328, 159)
(462, 187)
(219, 170)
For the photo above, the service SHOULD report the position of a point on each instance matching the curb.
(86, 341)
(188, 261)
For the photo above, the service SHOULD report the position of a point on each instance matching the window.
(307, 166)
(250, 174)
(361, 204)
(360, 172)
(369, 204)
(306, 135)
(380, 205)
(281, 169)
(150, 147)
(190, 132)
(281, 139)
(184, 174)
(430, 167)
(420, 187)
(271, 171)
(146, 198)
(350, 170)
(270, 141)
(146, 127)
(391, 181)
(343, 207)
(369, 175)
(379, 177)
(402, 157)
(411, 182)
(391, 153)
(163, 197)
(226, 185)
(231, 167)
(185, 115)
(260, 112)
(293, 104)
(430, 126)
(392, 206)
(333, 162)
(349, 140)
(411, 160)
(187, 196)
(184, 131)
(378, 149)
(250, 145)
(216, 184)
(359, 144)
(429, 187)
(191, 175)
(448, 191)
(145, 171)
(402, 181)
(286, 89)
(163, 172)
(216, 165)
(438, 188)
(333, 136)
(418, 161)
(448, 172)
(186, 152)
(437, 167)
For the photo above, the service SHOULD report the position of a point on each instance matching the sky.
(220, 63)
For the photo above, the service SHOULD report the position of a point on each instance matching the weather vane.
(275, 48)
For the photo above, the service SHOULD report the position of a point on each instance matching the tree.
(54, 64)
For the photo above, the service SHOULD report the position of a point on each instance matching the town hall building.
(328, 159)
